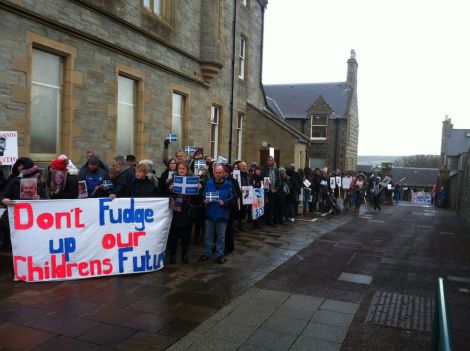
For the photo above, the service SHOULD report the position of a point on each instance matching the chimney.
(351, 80)
(446, 128)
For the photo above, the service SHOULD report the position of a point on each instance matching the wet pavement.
(310, 285)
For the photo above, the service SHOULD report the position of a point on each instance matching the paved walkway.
(355, 282)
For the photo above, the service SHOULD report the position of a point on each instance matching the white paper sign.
(346, 182)
(247, 195)
(8, 147)
(338, 181)
(86, 238)
(385, 181)
(237, 176)
(307, 183)
(332, 182)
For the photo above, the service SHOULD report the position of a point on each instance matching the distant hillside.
(376, 160)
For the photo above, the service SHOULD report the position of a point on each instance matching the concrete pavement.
(309, 285)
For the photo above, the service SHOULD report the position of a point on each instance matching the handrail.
(441, 336)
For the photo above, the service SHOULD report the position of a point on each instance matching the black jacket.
(142, 188)
(122, 182)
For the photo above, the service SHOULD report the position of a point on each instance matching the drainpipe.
(234, 27)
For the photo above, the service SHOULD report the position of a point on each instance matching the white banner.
(86, 238)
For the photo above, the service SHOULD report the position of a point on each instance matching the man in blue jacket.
(217, 214)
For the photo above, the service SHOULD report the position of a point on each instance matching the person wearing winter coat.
(142, 186)
(28, 171)
(184, 208)
(217, 214)
(94, 176)
(59, 174)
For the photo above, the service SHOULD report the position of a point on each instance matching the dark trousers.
(176, 232)
(377, 202)
(269, 206)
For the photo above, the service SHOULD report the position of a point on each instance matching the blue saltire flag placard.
(172, 137)
(189, 149)
(212, 196)
(186, 185)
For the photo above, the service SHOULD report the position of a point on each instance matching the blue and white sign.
(189, 149)
(186, 185)
(172, 137)
(212, 196)
(198, 164)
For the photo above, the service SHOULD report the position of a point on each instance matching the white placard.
(8, 147)
(332, 182)
(346, 183)
(307, 183)
(247, 195)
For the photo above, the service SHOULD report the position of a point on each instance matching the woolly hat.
(58, 165)
(253, 164)
(29, 168)
(282, 170)
(62, 157)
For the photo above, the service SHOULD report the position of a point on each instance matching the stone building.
(121, 75)
(327, 113)
(454, 172)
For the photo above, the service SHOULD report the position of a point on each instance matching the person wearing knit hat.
(62, 182)
(28, 170)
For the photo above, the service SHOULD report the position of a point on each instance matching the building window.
(242, 58)
(125, 116)
(177, 119)
(46, 105)
(239, 136)
(215, 119)
(161, 8)
(319, 125)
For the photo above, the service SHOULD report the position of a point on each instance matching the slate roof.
(293, 100)
(414, 176)
(457, 142)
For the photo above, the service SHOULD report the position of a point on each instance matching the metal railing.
(441, 336)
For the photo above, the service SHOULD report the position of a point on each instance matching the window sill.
(318, 139)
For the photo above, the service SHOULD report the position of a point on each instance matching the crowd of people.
(196, 219)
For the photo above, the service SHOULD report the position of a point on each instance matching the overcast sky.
(413, 56)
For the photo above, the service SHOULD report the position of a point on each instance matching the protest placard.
(332, 182)
(258, 203)
(28, 188)
(58, 179)
(199, 165)
(346, 182)
(266, 182)
(237, 176)
(186, 185)
(8, 147)
(172, 137)
(221, 160)
(86, 238)
(306, 183)
(421, 197)
(247, 195)
(189, 149)
(212, 196)
(338, 181)
(82, 189)
(385, 181)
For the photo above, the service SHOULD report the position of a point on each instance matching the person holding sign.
(184, 207)
(26, 185)
(217, 214)
(257, 182)
(62, 184)
(167, 176)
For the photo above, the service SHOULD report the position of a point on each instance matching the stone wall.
(100, 40)
(464, 193)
